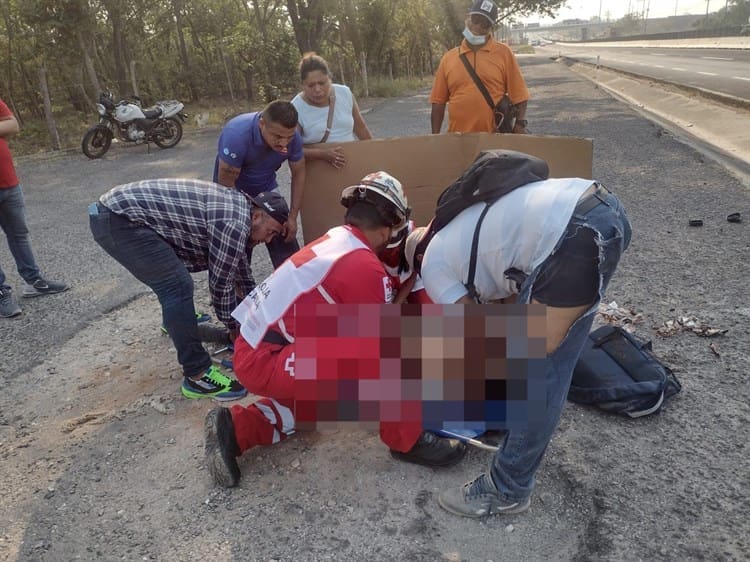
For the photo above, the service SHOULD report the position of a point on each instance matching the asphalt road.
(725, 71)
(666, 487)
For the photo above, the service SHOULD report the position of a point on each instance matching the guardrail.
(732, 31)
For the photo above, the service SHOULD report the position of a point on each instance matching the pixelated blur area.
(447, 366)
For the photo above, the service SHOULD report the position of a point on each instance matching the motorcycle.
(160, 124)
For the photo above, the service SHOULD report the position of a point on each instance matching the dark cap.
(273, 203)
(486, 8)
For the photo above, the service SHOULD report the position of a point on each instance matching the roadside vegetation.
(219, 57)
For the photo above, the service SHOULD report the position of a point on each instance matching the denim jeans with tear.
(13, 223)
(515, 464)
(153, 261)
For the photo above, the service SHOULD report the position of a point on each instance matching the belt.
(591, 198)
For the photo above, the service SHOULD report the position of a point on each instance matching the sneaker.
(431, 450)
(221, 448)
(199, 317)
(8, 305)
(213, 384)
(43, 287)
(479, 498)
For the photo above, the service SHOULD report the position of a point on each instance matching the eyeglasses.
(480, 21)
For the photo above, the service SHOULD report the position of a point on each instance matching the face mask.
(474, 39)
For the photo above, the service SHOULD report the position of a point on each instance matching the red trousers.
(268, 371)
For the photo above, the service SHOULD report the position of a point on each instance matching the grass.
(71, 125)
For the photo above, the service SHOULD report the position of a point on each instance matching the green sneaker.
(213, 384)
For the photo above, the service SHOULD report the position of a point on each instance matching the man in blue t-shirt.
(252, 146)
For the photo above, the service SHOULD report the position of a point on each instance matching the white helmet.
(376, 188)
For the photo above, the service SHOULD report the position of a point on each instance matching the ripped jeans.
(516, 462)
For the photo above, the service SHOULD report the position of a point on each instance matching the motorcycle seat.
(152, 113)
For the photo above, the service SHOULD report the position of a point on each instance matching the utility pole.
(707, 2)
(675, 8)
(600, 11)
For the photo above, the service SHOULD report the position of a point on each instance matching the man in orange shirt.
(494, 64)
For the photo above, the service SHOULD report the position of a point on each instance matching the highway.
(726, 71)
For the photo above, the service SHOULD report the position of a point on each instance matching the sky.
(615, 9)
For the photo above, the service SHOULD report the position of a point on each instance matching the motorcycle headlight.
(100, 108)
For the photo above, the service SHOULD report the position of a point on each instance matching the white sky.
(615, 9)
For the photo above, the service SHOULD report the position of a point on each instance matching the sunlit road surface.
(726, 71)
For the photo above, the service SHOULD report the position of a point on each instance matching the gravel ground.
(100, 457)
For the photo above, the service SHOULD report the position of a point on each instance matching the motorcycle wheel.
(169, 134)
(96, 141)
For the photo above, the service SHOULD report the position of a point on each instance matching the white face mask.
(474, 39)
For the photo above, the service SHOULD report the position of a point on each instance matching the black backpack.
(493, 173)
(619, 373)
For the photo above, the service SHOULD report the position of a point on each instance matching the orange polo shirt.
(498, 69)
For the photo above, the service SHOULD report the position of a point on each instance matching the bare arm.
(405, 290)
(297, 188)
(227, 174)
(436, 117)
(361, 131)
(334, 156)
(521, 109)
(8, 126)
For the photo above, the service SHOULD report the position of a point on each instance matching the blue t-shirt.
(242, 146)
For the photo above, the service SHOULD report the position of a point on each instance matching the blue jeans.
(13, 223)
(154, 262)
(514, 465)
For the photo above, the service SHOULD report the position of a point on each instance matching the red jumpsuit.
(268, 370)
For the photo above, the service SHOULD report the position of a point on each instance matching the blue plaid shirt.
(207, 225)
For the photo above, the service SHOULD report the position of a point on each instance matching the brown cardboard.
(425, 165)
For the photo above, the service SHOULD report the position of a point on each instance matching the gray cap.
(273, 203)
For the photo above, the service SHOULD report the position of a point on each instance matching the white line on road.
(657, 66)
(741, 78)
(707, 73)
(715, 58)
(678, 69)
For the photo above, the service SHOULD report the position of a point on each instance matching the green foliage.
(735, 13)
(202, 51)
(386, 88)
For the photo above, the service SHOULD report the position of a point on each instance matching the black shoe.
(431, 450)
(41, 286)
(221, 448)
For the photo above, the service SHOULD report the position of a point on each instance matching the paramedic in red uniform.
(321, 272)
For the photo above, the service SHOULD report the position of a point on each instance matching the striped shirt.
(207, 225)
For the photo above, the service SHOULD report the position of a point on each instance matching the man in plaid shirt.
(162, 230)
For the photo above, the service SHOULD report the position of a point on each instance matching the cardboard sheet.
(425, 165)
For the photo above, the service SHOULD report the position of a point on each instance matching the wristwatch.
(523, 122)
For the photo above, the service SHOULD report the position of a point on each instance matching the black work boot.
(432, 450)
(221, 448)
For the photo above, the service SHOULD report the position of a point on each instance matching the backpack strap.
(473, 259)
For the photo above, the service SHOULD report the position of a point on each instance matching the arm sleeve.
(232, 147)
(440, 91)
(226, 251)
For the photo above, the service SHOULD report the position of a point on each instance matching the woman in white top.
(319, 97)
